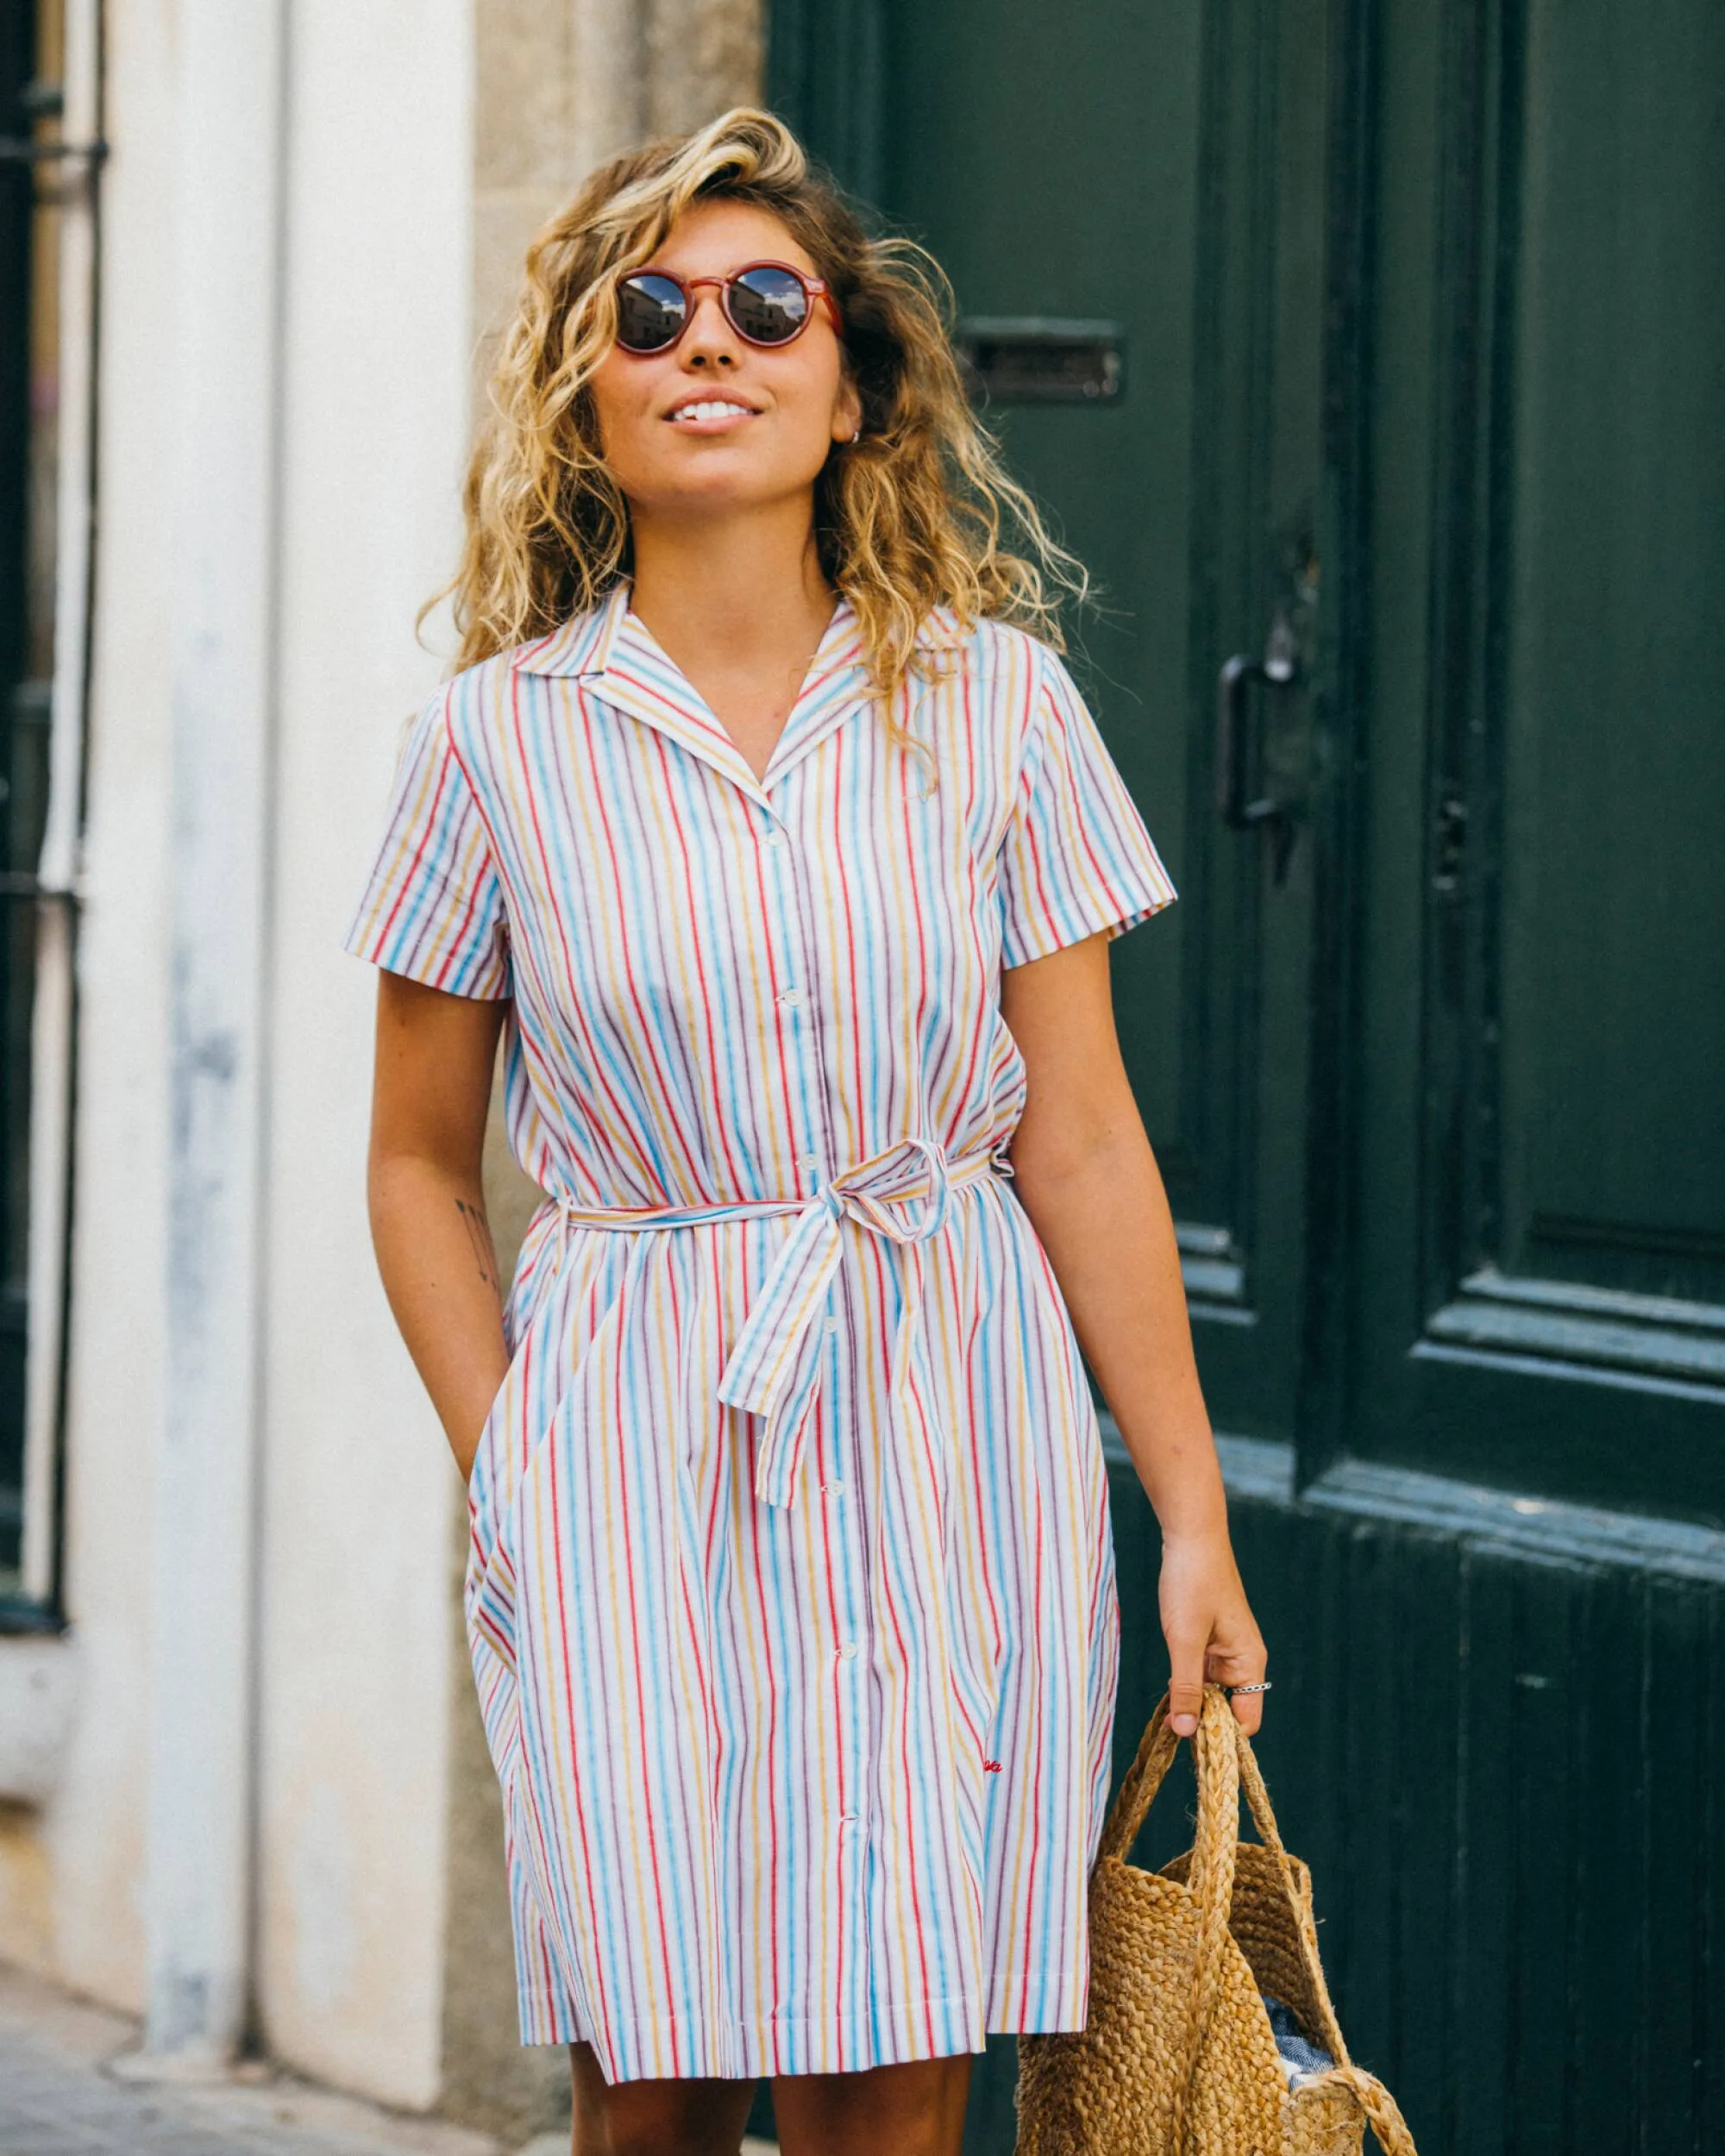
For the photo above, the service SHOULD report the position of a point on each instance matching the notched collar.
(616, 658)
(579, 645)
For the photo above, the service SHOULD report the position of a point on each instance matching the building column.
(221, 531)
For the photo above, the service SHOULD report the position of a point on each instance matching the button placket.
(843, 1525)
(777, 841)
(795, 995)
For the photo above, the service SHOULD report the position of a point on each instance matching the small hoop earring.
(858, 436)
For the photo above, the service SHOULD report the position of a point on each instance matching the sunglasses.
(768, 303)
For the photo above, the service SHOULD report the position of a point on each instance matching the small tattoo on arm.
(478, 1234)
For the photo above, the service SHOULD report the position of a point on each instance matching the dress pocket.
(530, 1392)
(571, 1325)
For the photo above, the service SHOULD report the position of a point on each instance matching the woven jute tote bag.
(1178, 2056)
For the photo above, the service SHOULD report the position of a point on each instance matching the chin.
(729, 485)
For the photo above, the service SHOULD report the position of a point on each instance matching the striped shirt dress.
(790, 1593)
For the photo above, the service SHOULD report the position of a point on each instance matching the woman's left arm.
(1083, 1169)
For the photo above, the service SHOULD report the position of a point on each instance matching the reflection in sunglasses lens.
(650, 312)
(768, 304)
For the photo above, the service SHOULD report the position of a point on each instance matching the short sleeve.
(1076, 858)
(432, 905)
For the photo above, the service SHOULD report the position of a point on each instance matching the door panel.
(1612, 984)
(1542, 1255)
(1161, 169)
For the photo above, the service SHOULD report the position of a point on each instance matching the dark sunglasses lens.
(650, 313)
(768, 306)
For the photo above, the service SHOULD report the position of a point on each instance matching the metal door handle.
(1275, 670)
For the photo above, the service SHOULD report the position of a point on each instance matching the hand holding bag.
(1179, 2057)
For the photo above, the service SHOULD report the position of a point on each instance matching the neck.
(731, 587)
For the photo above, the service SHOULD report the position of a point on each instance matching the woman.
(765, 822)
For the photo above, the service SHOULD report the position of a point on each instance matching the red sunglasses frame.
(813, 288)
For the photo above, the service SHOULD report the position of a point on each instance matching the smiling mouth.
(702, 409)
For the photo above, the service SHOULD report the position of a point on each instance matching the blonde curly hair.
(915, 515)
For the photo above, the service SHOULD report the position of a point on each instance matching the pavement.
(65, 2090)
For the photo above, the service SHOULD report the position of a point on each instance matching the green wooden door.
(1540, 1223)
(1421, 318)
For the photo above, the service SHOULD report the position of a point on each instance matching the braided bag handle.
(1263, 1818)
(1211, 1878)
(1156, 1750)
(1225, 1761)
(1382, 2113)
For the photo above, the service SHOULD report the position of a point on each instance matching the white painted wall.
(356, 1669)
(355, 1664)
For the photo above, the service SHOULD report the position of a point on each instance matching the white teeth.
(711, 410)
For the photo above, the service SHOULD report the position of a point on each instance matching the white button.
(847, 1652)
(776, 838)
(833, 1489)
(831, 1325)
(791, 996)
(811, 1160)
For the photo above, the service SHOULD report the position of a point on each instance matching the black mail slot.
(1031, 359)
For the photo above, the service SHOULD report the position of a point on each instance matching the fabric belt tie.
(774, 1368)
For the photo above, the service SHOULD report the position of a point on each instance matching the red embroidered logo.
(991, 1766)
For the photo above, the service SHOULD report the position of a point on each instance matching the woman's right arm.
(431, 1089)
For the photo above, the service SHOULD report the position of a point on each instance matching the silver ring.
(1232, 1689)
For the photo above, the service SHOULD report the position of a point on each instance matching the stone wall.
(561, 86)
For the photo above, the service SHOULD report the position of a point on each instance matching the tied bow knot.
(903, 1194)
(869, 1193)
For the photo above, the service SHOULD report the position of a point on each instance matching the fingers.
(1185, 1698)
(1242, 1669)
(1186, 1692)
(1248, 1710)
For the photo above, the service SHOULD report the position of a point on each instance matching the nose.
(709, 338)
